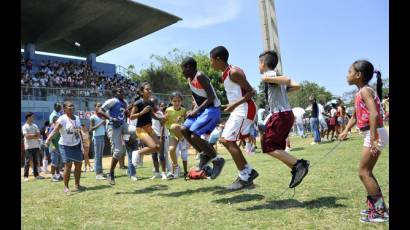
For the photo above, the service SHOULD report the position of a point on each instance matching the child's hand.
(343, 135)
(374, 148)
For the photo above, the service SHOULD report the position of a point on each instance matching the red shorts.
(277, 130)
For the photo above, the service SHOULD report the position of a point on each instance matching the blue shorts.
(71, 153)
(204, 122)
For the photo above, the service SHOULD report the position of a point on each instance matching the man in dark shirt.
(314, 121)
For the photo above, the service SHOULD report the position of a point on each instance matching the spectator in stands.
(31, 134)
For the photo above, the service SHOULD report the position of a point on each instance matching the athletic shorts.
(382, 141)
(144, 131)
(236, 127)
(277, 130)
(203, 122)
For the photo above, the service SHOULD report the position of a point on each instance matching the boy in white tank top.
(242, 114)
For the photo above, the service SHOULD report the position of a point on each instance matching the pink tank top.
(362, 113)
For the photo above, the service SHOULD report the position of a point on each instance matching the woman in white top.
(70, 144)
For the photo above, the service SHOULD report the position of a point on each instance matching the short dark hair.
(270, 59)
(189, 61)
(57, 105)
(29, 114)
(220, 52)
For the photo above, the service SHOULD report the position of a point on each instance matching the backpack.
(193, 174)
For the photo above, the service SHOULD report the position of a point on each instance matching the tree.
(300, 98)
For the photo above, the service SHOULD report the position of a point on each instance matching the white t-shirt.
(321, 110)
(156, 125)
(30, 129)
(69, 131)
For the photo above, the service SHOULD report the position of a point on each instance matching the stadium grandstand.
(83, 29)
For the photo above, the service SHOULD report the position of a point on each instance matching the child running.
(281, 120)
(368, 117)
(175, 116)
(143, 111)
(242, 111)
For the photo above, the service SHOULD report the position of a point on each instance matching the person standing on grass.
(368, 118)
(314, 120)
(31, 145)
(322, 122)
(281, 120)
(70, 144)
(242, 111)
(54, 153)
(115, 111)
(158, 158)
(203, 118)
(97, 126)
(175, 116)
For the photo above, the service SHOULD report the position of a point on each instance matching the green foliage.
(165, 73)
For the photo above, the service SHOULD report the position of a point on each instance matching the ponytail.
(379, 84)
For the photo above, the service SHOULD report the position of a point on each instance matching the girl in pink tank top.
(368, 118)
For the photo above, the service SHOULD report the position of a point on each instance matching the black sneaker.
(239, 184)
(253, 175)
(299, 171)
(218, 166)
(203, 160)
(111, 179)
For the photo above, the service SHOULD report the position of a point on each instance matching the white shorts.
(182, 149)
(235, 127)
(383, 138)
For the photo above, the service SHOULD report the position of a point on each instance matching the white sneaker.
(164, 176)
(25, 179)
(134, 178)
(156, 176)
(288, 149)
(100, 177)
(134, 158)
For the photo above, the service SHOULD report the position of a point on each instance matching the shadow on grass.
(97, 187)
(328, 202)
(191, 191)
(239, 199)
(297, 149)
(153, 188)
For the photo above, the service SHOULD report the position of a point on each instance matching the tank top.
(277, 96)
(199, 93)
(362, 113)
(234, 92)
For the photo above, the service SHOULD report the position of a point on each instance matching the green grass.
(330, 197)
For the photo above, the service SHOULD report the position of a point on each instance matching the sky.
(318, 39)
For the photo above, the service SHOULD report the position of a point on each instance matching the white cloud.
(199, 13)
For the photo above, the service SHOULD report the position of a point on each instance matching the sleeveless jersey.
(362, 113)
(199, 93)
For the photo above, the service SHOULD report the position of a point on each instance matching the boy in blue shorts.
(203, 118)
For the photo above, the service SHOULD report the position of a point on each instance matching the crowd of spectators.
(69, 79)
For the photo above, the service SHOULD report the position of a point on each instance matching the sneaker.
(67, 191)
(111, 179)
(25, 179)
(176, 171)
(299, 171)
(171, 176)
(164, 176)
(91, 169)
(203, 160)
(218, 166)
(365, 212)
(134, 158)
(374, 217)
(239, 184)
(288, 149)
(39, 177)
(156, 175)
(253, 175)
(79, 188)
(54, 179)
(100, 177)
(134, 178)
(313, 143)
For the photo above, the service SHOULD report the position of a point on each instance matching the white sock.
(248, 168)
(244, 175)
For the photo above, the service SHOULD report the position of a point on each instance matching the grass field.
(330, 197)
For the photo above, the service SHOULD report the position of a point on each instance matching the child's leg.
(173, 142)
(367, 163)
(86, 157)
(283, 156)
(155, 162)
